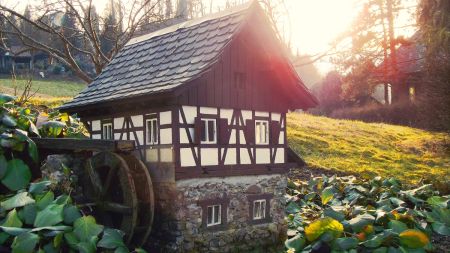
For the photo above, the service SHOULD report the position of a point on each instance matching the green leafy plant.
(345, 214)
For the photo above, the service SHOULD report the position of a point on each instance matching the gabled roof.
(162, 61)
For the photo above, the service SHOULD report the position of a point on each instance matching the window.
(214, 213)
(259, 209)
(152, 130)
(412, 94)
(107, 133)
(261, 132)
(208, 131)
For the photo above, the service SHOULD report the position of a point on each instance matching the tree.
(329, 92)
(434, 21)
(81, 25)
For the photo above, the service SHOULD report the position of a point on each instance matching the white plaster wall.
(165, 135)
(165, 118)
(233, 137)
(140, 136)
(244, 155)
(186, 157)
(209, 156)
(138, 120)
(246, 115)
(230, 157)
(279, 156)
(190, 112)
(208, 110)
(96, 136)
(276, 116)
(262, 155)
(242, 139)
(95, 125)
(118, 123)
(116, 136)
(281, 138)
(226, 114)
(261, 114)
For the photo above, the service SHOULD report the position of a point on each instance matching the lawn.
(368, 149)
(44, 88)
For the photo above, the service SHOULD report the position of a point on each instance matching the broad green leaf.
(396, 201)
(71, 239)
(318, 227)
(52, 228)
(438, 201)
(441, 228)
(413, 238)
(112, 238)
(397, 226)
(297, 243)
(70, 214)
(86, 227)
(88, 246)
(360, 221)
(3, 237)
(12, 220)
(345, 243)
(52, 128)
(39, 187)
(18, 200)
(50, 216)
(17, 175)
(3, 166)
(123, 250)
(49, 248)
(25, 243)
(140, 250)
(327, 195)
(374, 242)
(330, 212)
(9, 121)
(57, 241)
(45, 200)
(5, 98)
(28, 214)
(14, 230)
(380, 250)
(32, 150)
(293, 208)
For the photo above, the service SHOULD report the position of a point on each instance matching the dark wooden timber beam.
(71, 144)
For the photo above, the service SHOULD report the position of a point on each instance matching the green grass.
(43, 88)
(368, 149)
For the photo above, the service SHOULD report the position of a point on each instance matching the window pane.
(210, 215)
(216, 214)
(264, 132)
(258, 133)
(149, 132)
(263, 209)
(211, 130)
(154, 131)
(203, 130)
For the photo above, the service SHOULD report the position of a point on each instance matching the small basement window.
(107, 133)
(208, 131)
(261, 132)
(259, 209)
(152, 130)
(214, 215)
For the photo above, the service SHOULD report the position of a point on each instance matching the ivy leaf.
(9, 121)
(28, 214)
(38, 188)
(17, 175)
(32, 150)
(297, 243)
(374, 242)
(25, 243)
(14, 231)
(293, 207)
(18, 200)
(124, 250)
(345, 243)
(441, 228)
(438, 201)
(360, 221)
(86, 228)
(413, 238)
(318, 227)
(71, 214)
(327, 195)
(45, 200)
(50, 216)
(71, 239)
(112, 238)
(5, 98)
(88, 246)
(52, 128)
(397, 226)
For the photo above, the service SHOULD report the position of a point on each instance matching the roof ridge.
(192, 22)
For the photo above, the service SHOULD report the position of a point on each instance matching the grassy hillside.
(44, 88)
(370, 149)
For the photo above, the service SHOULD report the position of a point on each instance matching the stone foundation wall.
(186, 231)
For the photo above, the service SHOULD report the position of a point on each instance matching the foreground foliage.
(344, 214)
(32, 217)
(369, 149)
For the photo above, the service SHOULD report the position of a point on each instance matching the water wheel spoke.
(108, 181)
(95, 179)
(117, 208)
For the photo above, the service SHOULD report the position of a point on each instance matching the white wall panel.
(166, 135)
(233, 137)
(281, 138)
(165, 118)
(246, 115)
(140, 136)
(138, 120)
(186, 157)
(166, 155)
(226, 114)
(183, 135)
(262, 155)
(279, 156)
(95, 125)
(242, 137)
(96, 136)
(230, 157)
(276, 116)
(209, 156)
(208, 110)
(261, 114)
(116, 136)
(245, 157)
(190, 112)
(118, 123)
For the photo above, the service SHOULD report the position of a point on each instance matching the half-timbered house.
(205, 102)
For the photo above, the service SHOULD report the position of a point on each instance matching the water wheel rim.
(118, 168)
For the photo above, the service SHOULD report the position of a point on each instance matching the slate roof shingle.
(163, 60)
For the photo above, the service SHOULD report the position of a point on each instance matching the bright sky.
(311, 24)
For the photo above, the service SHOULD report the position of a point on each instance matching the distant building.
(20, 58)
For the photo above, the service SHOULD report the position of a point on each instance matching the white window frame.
(149, 134)
(262, 209)
(258, 133)
(206, 133)
(105, 134)
(219, 216)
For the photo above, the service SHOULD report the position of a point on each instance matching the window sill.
(260, 221)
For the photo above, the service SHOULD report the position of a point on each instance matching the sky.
(311, 25)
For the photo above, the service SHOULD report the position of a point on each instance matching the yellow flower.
(291, 250)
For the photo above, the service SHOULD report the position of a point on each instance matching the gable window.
(261, 132)
(259, 209)
(107, 133)
(208, 131)
(152, 130)
(214, 215)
